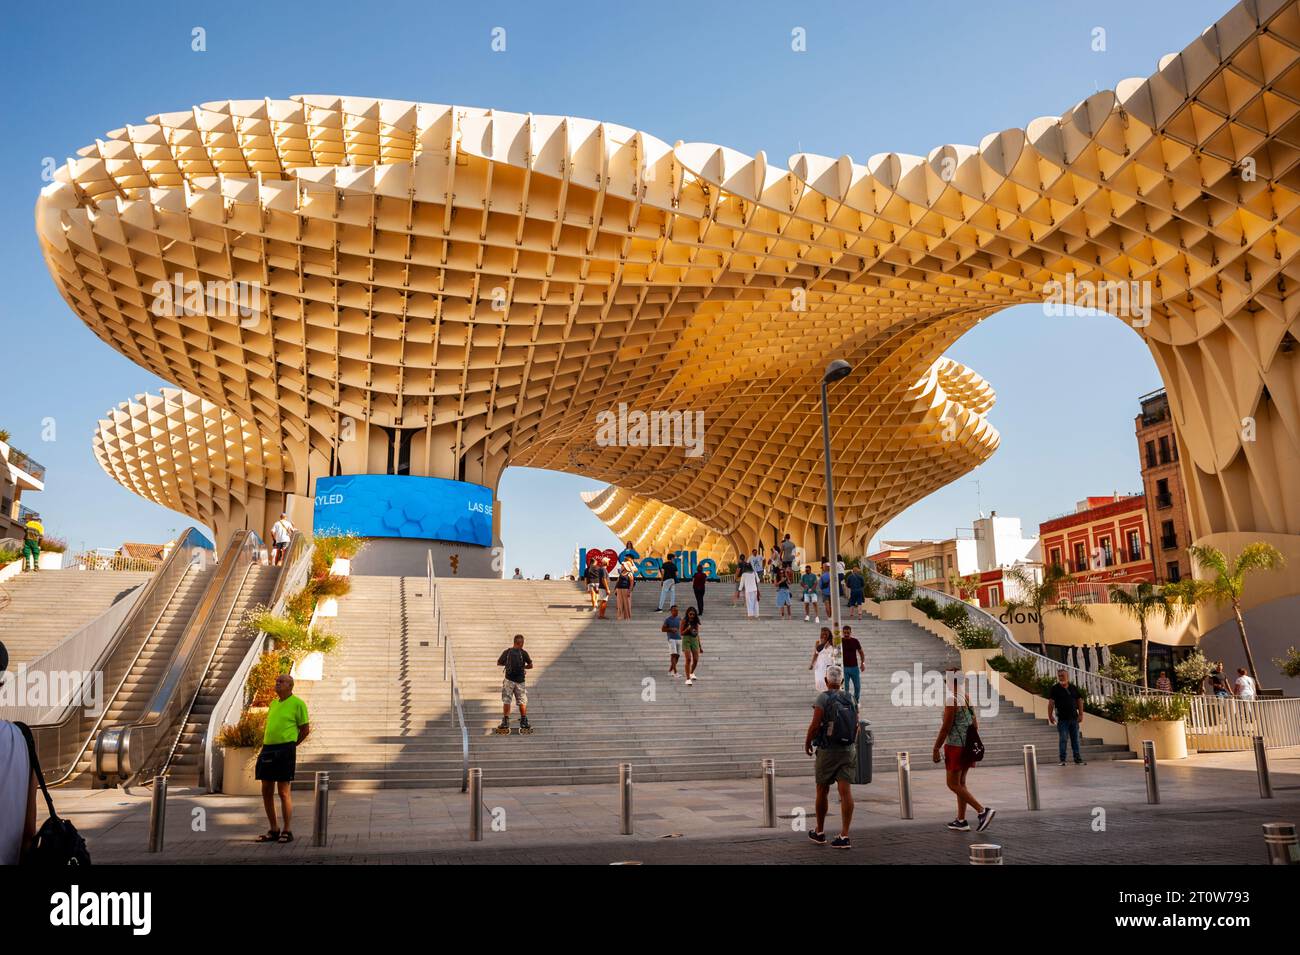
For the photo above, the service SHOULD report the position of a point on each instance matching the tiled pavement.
(1210, 812)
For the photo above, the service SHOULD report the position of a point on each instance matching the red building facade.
(1107, 540)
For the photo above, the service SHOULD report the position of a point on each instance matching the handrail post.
(158, 814)
(1261, 769)
(625, 798)
(1031, 777)
(321, 810)
(1149, 765)
(769, 793)
(475, 804)
(904, 786)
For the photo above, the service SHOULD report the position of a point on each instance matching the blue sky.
(875, 77)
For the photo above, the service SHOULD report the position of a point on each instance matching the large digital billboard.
(399, 505)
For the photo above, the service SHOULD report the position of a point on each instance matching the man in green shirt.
(286, 728)
(809, 584)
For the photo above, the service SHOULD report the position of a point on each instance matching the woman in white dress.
(823, 655)
(748, 584)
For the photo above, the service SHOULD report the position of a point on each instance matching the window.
(1056, 557)
(1171, 572)
(1151, 454)
(1164, 450)
(1107, 554)
(1173, 443)
(1080, 557)
(1134, 545)
(950, 561)
(1163, 497)
(1168, 537)
(995, 596)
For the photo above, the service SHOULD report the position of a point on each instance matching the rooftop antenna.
(978, 502)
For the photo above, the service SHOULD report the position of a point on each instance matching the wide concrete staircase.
(381, 717)
(39, 610)
(600, 693)
(137, 689)
(231, 649)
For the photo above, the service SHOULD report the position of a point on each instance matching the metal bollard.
(1031, 777)
(1261, 769)
(320, 827)
(157, 814)
(1281, 844)
(769, 794)
(475, 804)
(625, 798)
(904, 786)
(1149, 765)
(985, 853)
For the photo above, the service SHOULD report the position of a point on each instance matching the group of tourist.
(619, 578)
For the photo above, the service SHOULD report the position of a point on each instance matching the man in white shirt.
(748, 585)
(1244, 685)
(17, 787)
(281, 533)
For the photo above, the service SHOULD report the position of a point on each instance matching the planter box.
(237, 772)
(976, 661)
(50, 560)
(342, 567)
(310, 668)
(1170, 737)
(895, 609)
(328, 607)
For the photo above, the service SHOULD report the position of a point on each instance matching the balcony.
(24, 462)
(1169, 543)
(1164, 501)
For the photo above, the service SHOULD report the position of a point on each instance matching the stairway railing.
(297, 564)
(1097, 687)
(449, 667)
(139, 750)
(63, 735)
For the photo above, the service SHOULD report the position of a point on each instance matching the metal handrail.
(64, 736)
(125, 751)
(449, 666)
(297, 563)
(1098, 687)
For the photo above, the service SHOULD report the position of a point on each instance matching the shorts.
(691, 643)
(277, 763)
(783, 597)
(675, 647)
(855, 598)
(516, 691)
(809, 597)
(953, 758)
(835, 764)
(593, 588)
(787, 564)
(280, 545)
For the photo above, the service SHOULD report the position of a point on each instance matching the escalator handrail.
(124, 751)
(293, 576)
(163, 583)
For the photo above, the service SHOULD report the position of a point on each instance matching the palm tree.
(1226, 582)
(1043, 598)
(1143, 602)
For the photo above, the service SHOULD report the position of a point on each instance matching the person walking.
(1219, 684)
(774, 563)
(825, 584)
(287, 727)
(787, 553)
(597, 579)
(33, 532)
(672, 626)
(668, 587)
(517, 663)
(839, 575)
(623, 589)
(1065, 709)
(822, 657)
(833, 732)
(756, 562)
(691, 648)
(17, 786)
(808, 582)
(857, 585)
(748, 585)
(783, 599)
(698, 583)
(950, 747)
(281, 533)
(854, 661)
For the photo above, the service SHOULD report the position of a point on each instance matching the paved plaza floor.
(1210, 812)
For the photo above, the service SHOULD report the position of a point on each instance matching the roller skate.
(504, 728)
(525, 728)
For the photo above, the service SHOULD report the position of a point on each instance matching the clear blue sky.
(875, 77)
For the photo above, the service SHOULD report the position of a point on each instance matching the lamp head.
(836, 370)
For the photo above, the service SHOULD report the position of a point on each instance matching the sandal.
(286, 836)
(271, 835)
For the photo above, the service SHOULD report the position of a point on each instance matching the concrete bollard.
(769, 794)
(985, 853)
(1031, 777)
(320, 810)
(1281, 844)
(475, 804)
(904, 786)
(1149, 766)
(157, 814)
(1261, 769)
(625, 798)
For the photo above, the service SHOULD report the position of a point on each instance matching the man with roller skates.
(517, 662)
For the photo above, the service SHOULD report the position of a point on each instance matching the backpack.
(839, 720)
(57, 843)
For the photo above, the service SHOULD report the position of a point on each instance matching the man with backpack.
(517, 662)
(834, 732)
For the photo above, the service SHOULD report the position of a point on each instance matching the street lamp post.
(834, 372)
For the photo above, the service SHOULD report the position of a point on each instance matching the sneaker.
(818, 837)
(959, 825)
(817, 619)
(690, 682)
(806, 618)
(985, 819)
(673, 674)
(841, 842)
(1081, 762)
(1062, 762)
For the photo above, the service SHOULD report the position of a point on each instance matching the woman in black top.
(691, 644)
(697, 584)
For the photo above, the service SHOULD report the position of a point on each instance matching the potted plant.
(52, 551)
(241, 742)
(1161, 719)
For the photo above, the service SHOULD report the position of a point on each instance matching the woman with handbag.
(962, 748)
